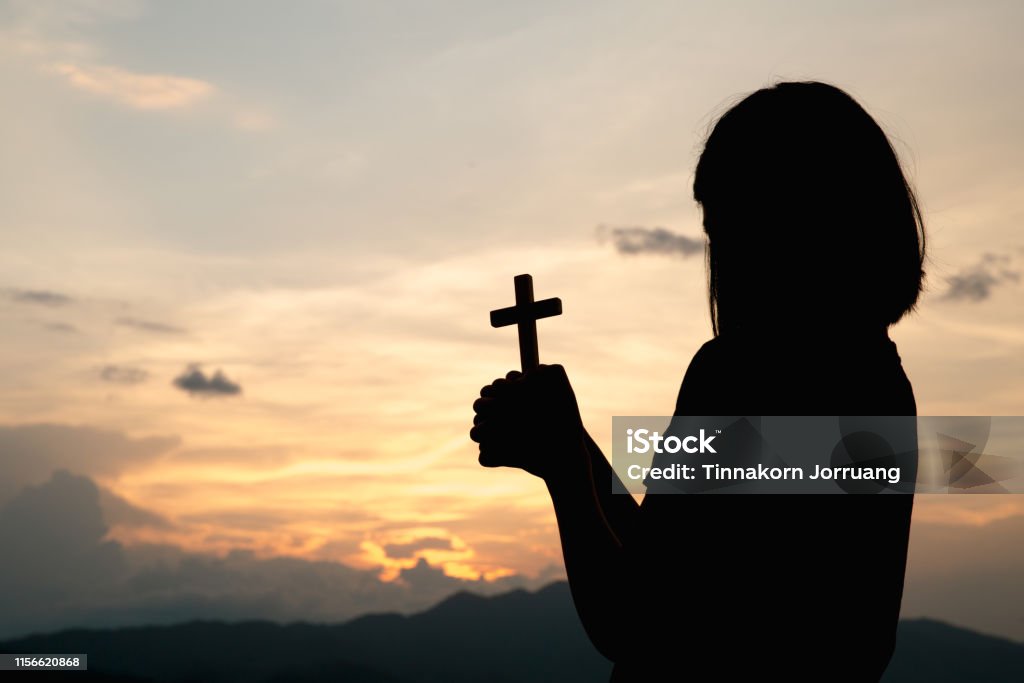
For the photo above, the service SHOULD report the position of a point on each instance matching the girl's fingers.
(500, 385)
(493, 389)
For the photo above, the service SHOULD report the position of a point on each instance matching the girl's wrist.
(569, 466)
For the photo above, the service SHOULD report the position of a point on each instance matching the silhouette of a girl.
(815, 247)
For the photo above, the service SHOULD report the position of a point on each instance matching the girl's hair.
(808, 214)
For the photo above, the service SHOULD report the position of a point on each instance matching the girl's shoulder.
(796, 375)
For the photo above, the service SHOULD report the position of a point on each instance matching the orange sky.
(330, 222)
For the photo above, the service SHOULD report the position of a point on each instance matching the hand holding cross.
(529, 420)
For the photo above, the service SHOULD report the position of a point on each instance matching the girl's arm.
(532, 421)
(596, 560)
(620, 509)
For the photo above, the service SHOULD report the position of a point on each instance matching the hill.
(517, 636)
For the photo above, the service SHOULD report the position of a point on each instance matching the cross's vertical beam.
(529, 353)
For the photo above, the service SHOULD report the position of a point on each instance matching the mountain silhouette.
(928, 650)
(510, 638)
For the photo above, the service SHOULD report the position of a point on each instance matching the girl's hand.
(529, 421)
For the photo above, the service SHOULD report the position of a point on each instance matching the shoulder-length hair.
(809, 216)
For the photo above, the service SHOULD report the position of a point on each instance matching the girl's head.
(809, 217)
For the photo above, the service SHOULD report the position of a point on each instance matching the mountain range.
(514, 637)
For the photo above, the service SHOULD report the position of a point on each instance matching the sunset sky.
(323, 200)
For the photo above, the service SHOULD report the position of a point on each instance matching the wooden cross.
(525, 314)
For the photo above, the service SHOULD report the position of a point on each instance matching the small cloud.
(975, 283)
(400, 551)
(136, 90)
(122, 374)
(197, 383)
(149, 326)
(40, 297)
(64, 328)
(639, 240)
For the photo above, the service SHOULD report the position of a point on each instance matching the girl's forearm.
(595, 561)
(621, 510)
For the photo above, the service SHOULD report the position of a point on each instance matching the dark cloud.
(39, 297)
(639, 240)
(123, 374)
(59, 571)
(54, 550)
(197, 383)
(975, 283)
(149, 326)
(400, 551)
(426, 579)
(119, 512)
(30, 453)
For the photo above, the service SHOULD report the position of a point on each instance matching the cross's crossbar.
(533, 311)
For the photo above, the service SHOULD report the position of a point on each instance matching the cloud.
(399, 551)
(59, 327)
(30, 453)
(60, 39)
(424, 578)
(243, 520)
(118, 512)
(63, 571)
(149, 326)
(67, 573)
(197, 383)
(39, 297)
(53, 540)
(975, 283)
(122, 374)
(639, 240)
(248, 457)
(136, 90)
